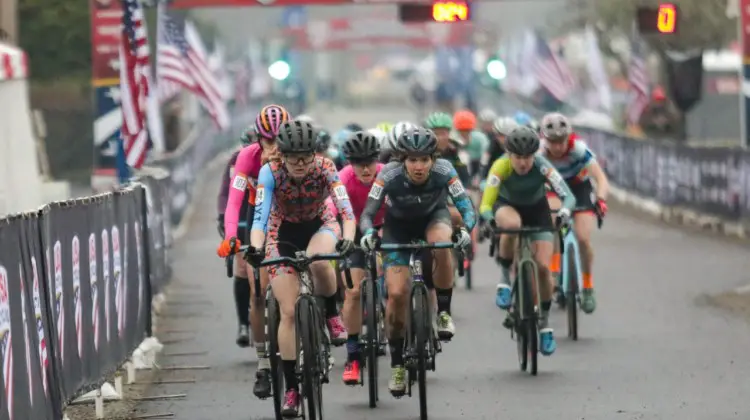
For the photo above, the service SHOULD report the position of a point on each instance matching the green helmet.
(439, 120)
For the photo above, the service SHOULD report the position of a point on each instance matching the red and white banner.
(376, 31)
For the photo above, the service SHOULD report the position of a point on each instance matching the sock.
(397, 351)
(554, 265)
(260, 353)
(352, 347)
(444, 299)
(331, 306)
(505, 264)
(242, 300)
(290, 376)
(588, 281)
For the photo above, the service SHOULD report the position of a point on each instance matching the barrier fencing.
(77, 279)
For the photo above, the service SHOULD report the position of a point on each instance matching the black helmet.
(323, 140)
(353, 127)
(417, 141)
(296, 137)
(522, 141)
(360, 146)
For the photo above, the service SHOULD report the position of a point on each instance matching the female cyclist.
(361, 149)
(290, 208)
(243, 190)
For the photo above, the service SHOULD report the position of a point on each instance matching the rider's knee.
(321, 269)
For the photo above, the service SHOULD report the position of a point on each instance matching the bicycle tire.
(571, 295)
(522, 344)
(277, 373)
(307, 326)
(373, 340)
(421, 321)
(530, 321)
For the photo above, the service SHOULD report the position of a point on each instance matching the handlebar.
(421, 246)
(304, 261)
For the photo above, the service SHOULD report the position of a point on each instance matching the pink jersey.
(358, 192)
(245, 176)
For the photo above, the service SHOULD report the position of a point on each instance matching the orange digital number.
(666, 21)
(450, 12)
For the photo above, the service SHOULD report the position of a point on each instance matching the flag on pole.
(551, 71)
(638, 78)
(180, 60)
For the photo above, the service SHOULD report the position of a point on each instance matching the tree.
(703, 24)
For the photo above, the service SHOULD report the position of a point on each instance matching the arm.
(461, 200)
(224, 190)
(375, 200)
(491, 191)
(340, 198)
(236, 195)
(263, 201)
(558, 184)
(600, 178)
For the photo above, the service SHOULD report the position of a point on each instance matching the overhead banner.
(745, 98)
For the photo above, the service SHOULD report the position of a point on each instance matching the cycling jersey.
(410, 201)
(225, 179)
(357, 191)
(523, 189)
(246, 169)
(496, 151)
(452, 156)
(574, 164)
(477, 145)
(281, 198)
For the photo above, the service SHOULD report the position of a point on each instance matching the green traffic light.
(496, 69)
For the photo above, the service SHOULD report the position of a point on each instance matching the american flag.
(242, 85)
(638, 78)
(134, 86)
(179, 60)
(551, 72)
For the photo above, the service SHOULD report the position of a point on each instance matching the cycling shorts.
(291, 237)
(532, 215)
(404, 231)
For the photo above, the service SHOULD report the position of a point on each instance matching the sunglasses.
(362, 162)
(300, 159)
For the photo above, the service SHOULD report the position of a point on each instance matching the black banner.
(714, 181)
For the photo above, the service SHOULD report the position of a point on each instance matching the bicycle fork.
(570, 245)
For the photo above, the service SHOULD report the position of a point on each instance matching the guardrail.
(77, 279)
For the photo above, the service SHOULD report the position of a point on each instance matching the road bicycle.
(421, 344)
(524, 313)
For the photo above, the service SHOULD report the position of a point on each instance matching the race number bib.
(376, 192)
(493, 181)
(239, 183)
(341, 193)
(260, 195)
(455, 188)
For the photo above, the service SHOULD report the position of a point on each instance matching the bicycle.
(524, 314)
(313, 343)
(373, 315)
(568, 290)
(421, 345)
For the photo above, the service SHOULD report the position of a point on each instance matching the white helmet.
(396, 131)
(504, 125)
(487, 115)
(379, 134)
(304, 118)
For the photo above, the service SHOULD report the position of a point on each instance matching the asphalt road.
(653, 349)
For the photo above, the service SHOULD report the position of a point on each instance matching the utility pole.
(9, 21)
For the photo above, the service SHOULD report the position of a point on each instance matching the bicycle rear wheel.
(571, 295)
(420, 315)
(307, 331)
(277, 373)
(373, 340)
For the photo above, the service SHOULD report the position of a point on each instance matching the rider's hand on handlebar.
(226, 247)
(345, 246)
(563, 217)
(601, 207)
(370, 241)
(254, 256)
(461, 237)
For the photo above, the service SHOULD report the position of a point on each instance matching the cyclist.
(306, 118)
(487, 119)
(384, 127)
(476, 143)
(515, 197)
(290, 207)
(500, 130)
(577, 165)
(246, 169)
(390, 148)
(361, 151)
(241, 285)
(522, 118)
(417, 189)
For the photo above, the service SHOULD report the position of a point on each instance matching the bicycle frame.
(570, 244)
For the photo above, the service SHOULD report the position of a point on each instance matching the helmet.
(534, 125)
(322, 140)
(522, 118)
(417, 141)
(556, 127)
(353, 127)
(269, 120)
(464, 120)
(487, 115)
(395, 132)
(504, 125)
(249, 136)
(361, 145)
(379, 134)
(296, 137)
(522, 141)
(341, 136)
(304, 117)
(384, 126)
(438, 120)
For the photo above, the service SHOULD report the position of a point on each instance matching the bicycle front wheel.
(420, 316)
(529, 317)
(272, 333)
(372, 340)
(307, 331)
(571, 295)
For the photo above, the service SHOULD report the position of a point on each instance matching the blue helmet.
(342, 136)
(522, 118)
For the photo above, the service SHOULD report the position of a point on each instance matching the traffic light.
(279, 70)
(496, 69)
